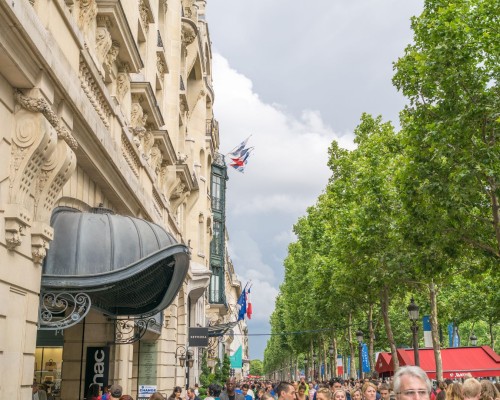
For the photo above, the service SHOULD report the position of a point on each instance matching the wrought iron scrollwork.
(131, 330)
(60, 310)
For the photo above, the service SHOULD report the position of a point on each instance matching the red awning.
(384, 363)
(457, 361)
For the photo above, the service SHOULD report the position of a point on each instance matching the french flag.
(249, 304)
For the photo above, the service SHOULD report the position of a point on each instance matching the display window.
(48, 366)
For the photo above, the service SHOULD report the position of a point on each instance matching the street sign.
(198, 337)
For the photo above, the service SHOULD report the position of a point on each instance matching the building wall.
(93, 113)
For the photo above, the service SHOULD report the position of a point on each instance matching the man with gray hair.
(471, 389)
(411, 382)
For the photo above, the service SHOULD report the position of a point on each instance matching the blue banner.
(450, 334)
(365, 359)
(236, 359)
(426, 322)
(348, 365)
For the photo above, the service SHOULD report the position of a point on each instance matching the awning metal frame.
(59, 310)
(131, 330)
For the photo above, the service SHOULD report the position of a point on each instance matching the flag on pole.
(249, 304)
(239, 156)
(242, 304)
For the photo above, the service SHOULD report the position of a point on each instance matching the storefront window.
(48, 361)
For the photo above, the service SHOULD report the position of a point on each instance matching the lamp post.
(331, 351)
(359, 336)
(413, 314)
(473, 339)
(315, 359)
(186, 360)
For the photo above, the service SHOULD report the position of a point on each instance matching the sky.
(295, 75)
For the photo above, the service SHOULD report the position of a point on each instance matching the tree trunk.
(351, 348)
(335, 367)
(384, 306)
(492, 337)
(371, 336)
(311, 358)
(434, 331)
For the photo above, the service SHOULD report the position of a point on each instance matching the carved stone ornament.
(112, 54)
(87, 14)
(40, 105)
(144, 13)
(181, 158)
(41, 235)
(156, 158)
(122, 86)
(17, 220)
(160, 65)
(188, 34)
(103, 43)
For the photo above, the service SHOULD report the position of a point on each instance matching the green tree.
(256, 367)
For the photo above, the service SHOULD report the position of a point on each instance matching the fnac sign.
(97, 366)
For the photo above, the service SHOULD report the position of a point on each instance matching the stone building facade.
(107, 121)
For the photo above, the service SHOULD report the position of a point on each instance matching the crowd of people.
(408, 383)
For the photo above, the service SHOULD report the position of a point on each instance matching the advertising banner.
(97, 366)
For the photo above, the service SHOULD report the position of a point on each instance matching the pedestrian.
(301, 393)
(339, 395)
(245, 388)
(230, 393)
(176, 394)
(454, 392)
(323, 393)
(93, 392)
(286, 391)
(369, 391)
(471, 389)
(115, 392)
(191, 394)
(488, 391)
(156, 396)
(105, 393)
(410, 382)
(356, 394)
(126, 397)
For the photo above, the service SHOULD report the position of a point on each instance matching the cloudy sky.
(295, 75)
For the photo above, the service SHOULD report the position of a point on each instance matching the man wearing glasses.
(411, 382)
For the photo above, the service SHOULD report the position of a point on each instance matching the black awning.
(221, 329)
(128, 266)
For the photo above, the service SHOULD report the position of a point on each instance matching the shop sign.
(198, 337)
(145, 391)
(97, 367)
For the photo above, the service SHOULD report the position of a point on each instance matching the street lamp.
(473, 339)
(315, 359)
(331, 350)
(186, 359)
(359, 336)
(413, 314)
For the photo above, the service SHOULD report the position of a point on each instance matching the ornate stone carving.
(87, 14)
(17, 220)
(112, 54)
(144, 13)
(40, 105)
(41, 235)
(103, 43)
(94, 93)
(188, 34)
(160, 65)
(122, 86)
(181, 158)
(54, 174)
(156, 158)
(147, 144)
(130, 155)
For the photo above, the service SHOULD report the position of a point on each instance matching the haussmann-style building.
(107, 145)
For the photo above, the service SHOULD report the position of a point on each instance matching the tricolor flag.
(239, 156)
(249, 304)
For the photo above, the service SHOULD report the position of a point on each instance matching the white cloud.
(285, 174)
